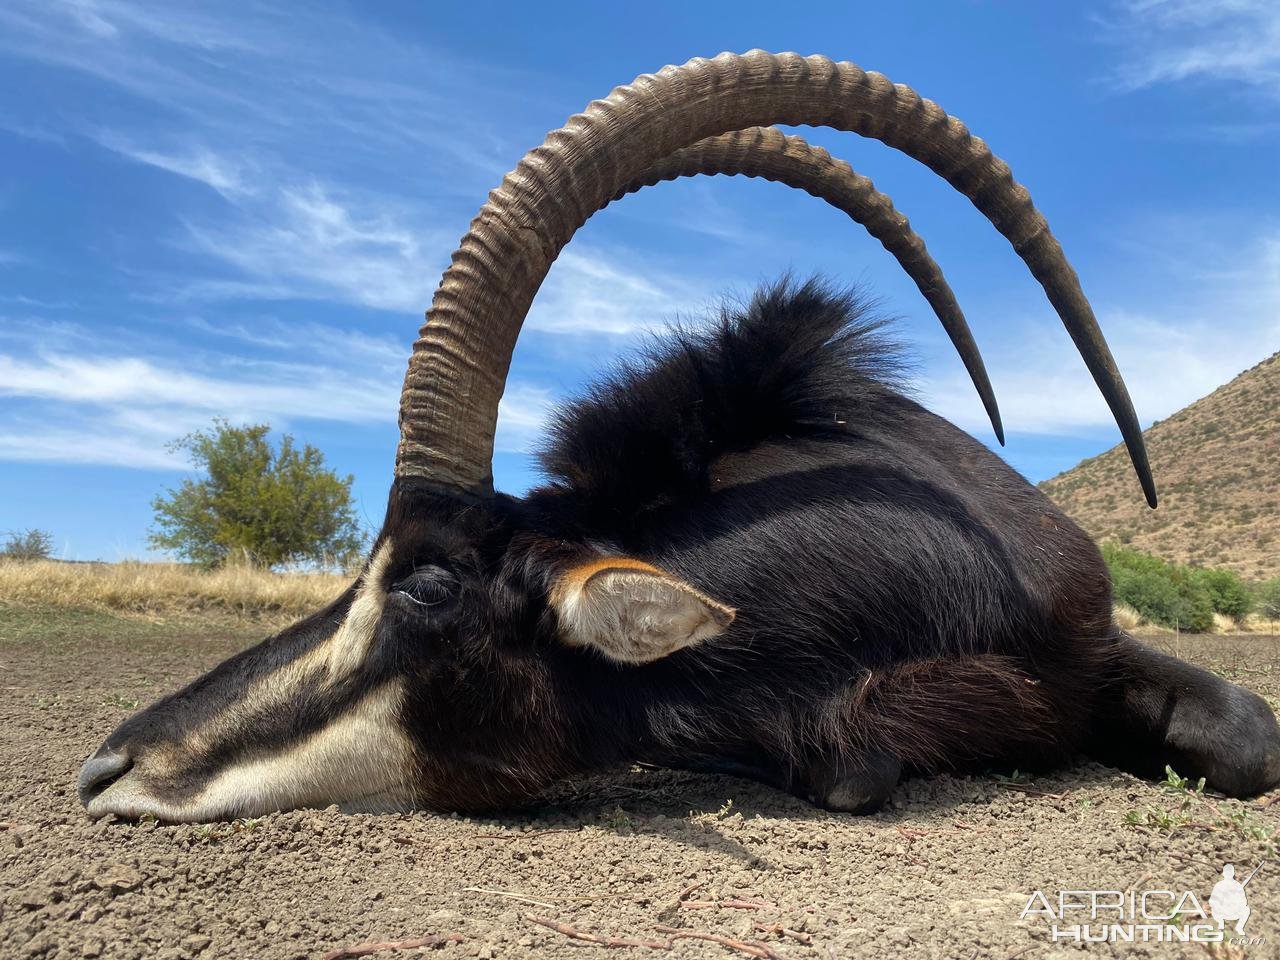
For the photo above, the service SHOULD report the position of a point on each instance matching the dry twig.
(752, 948)
(1021, 788)
(526, 836)
(783, 931)
(688, 890)
(730, 904)
(574, 933)
(1139, 882)
(510, 896)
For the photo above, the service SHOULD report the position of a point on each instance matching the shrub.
(27, 545)
(1161, 592)
(1268, 597)
(1228, 593)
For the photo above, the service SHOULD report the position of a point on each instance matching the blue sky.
(241, 210)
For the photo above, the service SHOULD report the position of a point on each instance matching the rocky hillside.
(1217, 467)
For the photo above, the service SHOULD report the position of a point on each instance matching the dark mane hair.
(797, 359)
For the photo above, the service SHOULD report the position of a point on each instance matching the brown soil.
(944, 872)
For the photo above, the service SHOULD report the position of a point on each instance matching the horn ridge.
(477, 312)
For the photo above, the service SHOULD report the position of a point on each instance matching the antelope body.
(753, 554)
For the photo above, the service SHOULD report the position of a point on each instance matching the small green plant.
(1153, 818)
(1195, 810)
(120, 700)
(1176, 784)
(619, 820)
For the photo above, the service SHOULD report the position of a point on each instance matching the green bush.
(1268, 597)
(1162, 592)
(268, 504)
(1228, 593)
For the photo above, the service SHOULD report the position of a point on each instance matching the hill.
(1217, 466)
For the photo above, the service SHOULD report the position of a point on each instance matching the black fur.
(795, 361)
(905, 601)
(900, 589)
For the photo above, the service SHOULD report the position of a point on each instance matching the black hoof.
(849, 787)
(1234, 742)
(1167, 712)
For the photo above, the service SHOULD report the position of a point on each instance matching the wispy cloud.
(22, 300)
(313, 242)
(1176, 40)
(195, 163)
(292, 120)
(308, 141)
(310, 243)
(122, 410)
(264, 75)
(349, 346)
(85, 446)
(590, 291)
(140, 382)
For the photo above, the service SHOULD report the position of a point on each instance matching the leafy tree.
(268, 506)
(1228, 593)
(27, 545)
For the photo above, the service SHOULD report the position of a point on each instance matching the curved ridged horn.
(449, 404)
(769, 154)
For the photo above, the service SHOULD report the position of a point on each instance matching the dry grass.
(1126, 617)
(171, 590)
(168, 589)
(1131, 621)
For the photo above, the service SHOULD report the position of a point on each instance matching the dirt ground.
(944, 872)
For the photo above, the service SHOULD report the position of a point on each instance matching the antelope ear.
(632, 612)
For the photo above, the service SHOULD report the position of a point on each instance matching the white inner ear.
(635, 615)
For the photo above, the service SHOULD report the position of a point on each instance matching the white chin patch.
(360, 761)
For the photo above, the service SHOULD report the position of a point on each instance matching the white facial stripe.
(334, 658)
(349, 646)
(362, 760)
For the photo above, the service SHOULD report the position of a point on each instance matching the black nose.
(100, 771)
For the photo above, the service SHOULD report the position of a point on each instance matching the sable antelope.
(752, 555)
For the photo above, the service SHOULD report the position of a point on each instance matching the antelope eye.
(428, 586)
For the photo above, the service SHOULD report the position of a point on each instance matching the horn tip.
(1147, 480)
